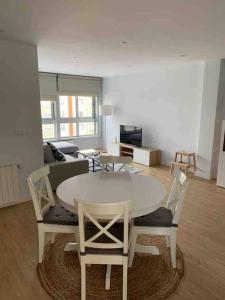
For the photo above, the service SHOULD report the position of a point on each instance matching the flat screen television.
(131, 135)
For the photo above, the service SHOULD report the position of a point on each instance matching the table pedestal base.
(139, 249)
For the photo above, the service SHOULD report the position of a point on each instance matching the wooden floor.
(201, 236)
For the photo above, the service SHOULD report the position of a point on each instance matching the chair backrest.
(107, 161)
(110, 213)
(176, 195)
(41, 191)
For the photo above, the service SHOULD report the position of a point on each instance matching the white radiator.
(9, 185)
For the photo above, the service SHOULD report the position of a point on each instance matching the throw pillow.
(57, 153)
(48, 155)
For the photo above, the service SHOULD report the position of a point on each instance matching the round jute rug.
(150, 278)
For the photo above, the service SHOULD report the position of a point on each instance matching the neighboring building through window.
(68, 116)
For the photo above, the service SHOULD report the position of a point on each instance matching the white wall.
(166, 102)
(20, 126)
(208, 119)
(220, 116)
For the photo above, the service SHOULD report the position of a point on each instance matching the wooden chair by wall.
(51, 217)
(190, 161)
(103, 243)
(163, 221)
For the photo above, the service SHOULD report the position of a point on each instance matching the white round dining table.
(145, 193)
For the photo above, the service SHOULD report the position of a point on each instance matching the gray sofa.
(62, 170)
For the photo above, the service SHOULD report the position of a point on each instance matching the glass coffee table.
(92, 156)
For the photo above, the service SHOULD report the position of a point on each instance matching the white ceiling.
(112, 37)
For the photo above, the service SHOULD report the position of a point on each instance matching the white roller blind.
(48, 86)
(77, 85)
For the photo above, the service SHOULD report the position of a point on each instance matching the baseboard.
(14, 203)
(166, 163)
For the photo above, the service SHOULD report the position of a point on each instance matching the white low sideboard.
(145, 156)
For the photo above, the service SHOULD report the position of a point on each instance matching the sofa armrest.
(62, 171)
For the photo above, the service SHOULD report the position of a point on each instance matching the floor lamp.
(106, 110)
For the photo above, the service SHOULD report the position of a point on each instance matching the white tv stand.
(145, 156)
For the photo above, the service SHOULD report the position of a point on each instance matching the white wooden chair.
(103, 243)
(109, 162)
(51, 217)
(164, 221)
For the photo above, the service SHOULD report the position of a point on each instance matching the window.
(86, 128)
(48, 118)
(68, 129)
(67, 106)
(47, 110)
(69, 116)
(85, 107)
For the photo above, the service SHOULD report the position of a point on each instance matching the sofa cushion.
(62, 170)
(69, 157)
(57, 153)
(48, 155)
(66, 147)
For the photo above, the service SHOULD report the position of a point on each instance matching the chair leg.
(52, 237)
(125, 263)
(173, 239)
(83, 280)
(171, 168)
(78, 243)
(41, 243)
(132, 248)
(175, 159)
(108, 277)
(167, 238)
(194, 161)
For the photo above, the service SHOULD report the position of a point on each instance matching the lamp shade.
(107, 110)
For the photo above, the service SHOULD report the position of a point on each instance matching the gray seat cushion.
(162, 217)
(116, 230)
(59, 215)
